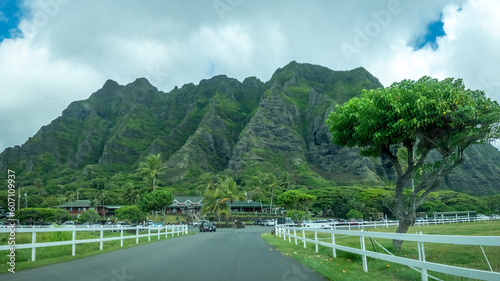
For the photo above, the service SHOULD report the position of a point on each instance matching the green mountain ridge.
(221, 126)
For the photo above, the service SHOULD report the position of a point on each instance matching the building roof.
(75, 204)
(187, 201)
(183, 199)
(248, 203)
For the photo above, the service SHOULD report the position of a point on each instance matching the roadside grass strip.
(349, 266)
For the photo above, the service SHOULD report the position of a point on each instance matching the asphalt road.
(228, 254)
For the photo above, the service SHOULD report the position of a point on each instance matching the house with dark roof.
(183, 204)
(79, 206)
(75, 207)
(247, 206)
(193, 204)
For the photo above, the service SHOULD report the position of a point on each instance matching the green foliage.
(421, 116)
(296, 201)
(151, 168)
(41, 215)
(89, 216)
(132, 213)
(447, 201)
(438, 114)
(156, 200)
(354, 214)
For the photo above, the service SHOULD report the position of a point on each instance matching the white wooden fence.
(421, 264)
(379, 224)
(152, 231)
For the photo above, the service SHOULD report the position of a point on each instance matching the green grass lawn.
(348, 266)
(55, 254)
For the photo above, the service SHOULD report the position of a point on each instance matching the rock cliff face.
(221, 125)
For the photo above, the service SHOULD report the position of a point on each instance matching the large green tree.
(156, 200)
(132, 213)
(297, 201)
(425, 116)
(89, 216)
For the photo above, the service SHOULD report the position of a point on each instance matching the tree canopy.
(298, 201)
(156, 200)
(422, 117)
(132, 213)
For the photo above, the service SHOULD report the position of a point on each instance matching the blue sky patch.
(10, 14)
(433, 31)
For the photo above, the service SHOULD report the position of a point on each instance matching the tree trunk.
(404, 214)
(271, 205)
(404, 225)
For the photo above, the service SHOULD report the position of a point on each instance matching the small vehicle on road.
(207, 226)
(68, 224)
(270, 223)
(199, 222)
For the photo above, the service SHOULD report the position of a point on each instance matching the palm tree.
(230, 192)
(257, 187)
(207, 182)
(70, 195)
(211, 203)
(39, 185)
(286, 181)
(272, 183)
(103, 196)
(129, 192)
(151, 168)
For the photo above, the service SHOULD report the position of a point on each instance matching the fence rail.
(422, 265)
(152, 231)
(386, 224)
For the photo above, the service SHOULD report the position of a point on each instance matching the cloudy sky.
(53, 52)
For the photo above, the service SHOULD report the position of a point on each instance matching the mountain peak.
(143, 82)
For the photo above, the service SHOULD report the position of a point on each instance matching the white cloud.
(72, 47)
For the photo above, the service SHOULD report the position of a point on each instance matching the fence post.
(333, 248)
(73, 248)
(121, 237)
(33, 242)
(316, 239)
(137, 235)
(149, 233)
(186, 227)
(295, 234)
(289, 237)
(284, 233)
(100, 243)
(362, 240)
(304, 236)
(166, 232)
(421, 257)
